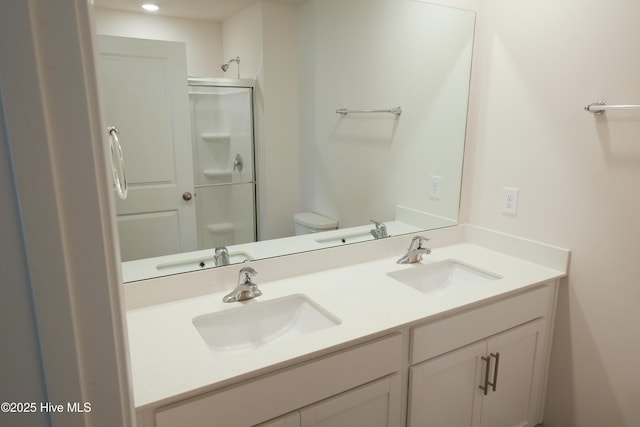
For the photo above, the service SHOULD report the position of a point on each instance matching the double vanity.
(349, 337)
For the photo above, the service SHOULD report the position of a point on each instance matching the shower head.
(225, 67)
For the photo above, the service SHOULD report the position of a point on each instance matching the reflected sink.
(444, 276)
(343, 239)
(194, 264)
(258, 323)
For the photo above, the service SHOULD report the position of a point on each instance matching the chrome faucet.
(246, 289)
(221, 256)
(415, 252)
(380, 231)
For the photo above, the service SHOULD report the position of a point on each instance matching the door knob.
(186, 196)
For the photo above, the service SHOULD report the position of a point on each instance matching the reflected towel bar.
(600, 107)
(397, 111)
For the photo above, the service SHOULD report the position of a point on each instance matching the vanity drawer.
(289, 389)
(453, 332)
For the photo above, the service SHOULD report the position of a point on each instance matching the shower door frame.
(242, 84)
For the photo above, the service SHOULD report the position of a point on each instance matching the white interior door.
(144, 87)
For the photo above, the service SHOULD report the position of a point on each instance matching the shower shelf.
(216, 137)
(222, 227)
(217, 174)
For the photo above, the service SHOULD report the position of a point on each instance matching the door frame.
(58, 152)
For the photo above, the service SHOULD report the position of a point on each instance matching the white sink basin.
(194, 264)
(258, 323)
(444, 276)
(343, 239)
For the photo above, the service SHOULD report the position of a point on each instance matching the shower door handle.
(238, 164)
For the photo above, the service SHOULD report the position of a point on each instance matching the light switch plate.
(509, 200)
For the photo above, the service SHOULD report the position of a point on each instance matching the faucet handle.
(246, 275)
(417, 241)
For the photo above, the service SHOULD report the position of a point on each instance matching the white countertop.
(169, 359)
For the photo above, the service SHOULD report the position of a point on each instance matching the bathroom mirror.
(304, 61)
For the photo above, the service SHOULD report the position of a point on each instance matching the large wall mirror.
(260, 159)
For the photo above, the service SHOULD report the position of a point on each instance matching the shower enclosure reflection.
(223, 161)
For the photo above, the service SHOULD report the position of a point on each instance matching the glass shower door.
(223, 147)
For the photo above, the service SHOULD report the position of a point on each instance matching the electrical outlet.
(435, 187)
(509, 200)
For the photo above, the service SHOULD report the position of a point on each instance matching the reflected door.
(144, 88)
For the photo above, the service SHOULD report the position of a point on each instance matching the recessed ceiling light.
(150, 7)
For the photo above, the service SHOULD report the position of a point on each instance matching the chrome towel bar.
(396, 110)
(600, 107)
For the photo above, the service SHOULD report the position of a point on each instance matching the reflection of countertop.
(190, 261)
(169, 358)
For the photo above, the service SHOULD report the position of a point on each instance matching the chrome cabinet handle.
(494, 384)
(485, 387)
(117, 163)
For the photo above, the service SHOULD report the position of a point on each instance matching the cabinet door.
(376, 404)
(444, 391)
(290, 420)
(519, 377)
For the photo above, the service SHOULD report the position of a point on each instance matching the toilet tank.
(311, 222)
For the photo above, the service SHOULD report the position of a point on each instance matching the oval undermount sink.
(258, 323)
(444, 276)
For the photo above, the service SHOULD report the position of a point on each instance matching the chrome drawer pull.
(485, 387)
(494, 384)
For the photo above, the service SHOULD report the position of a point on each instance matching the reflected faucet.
(380, 231)
(246, 289)
(415, 251)
(221, 256)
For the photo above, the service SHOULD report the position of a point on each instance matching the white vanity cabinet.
(289, 420)
(495, 378)
(481, 367)
(373, 405)
(349, 388)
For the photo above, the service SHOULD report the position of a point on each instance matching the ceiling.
(207, 10)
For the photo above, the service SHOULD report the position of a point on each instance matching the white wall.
(379, 54)
(242, 36)
(265, 36)
(279, 147)
(21, 378)
(202, 38)
(538, 63)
